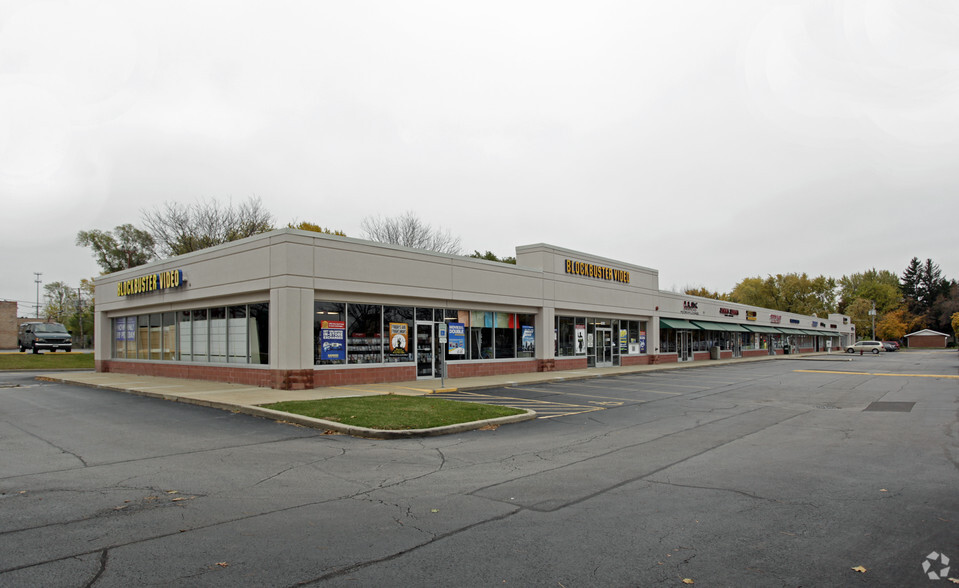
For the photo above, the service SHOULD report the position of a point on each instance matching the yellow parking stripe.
(875, 374)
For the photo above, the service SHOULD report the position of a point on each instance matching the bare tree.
(181, 228)
(409, 230)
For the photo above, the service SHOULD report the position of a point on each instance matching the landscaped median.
(46, 361)
(392, 416)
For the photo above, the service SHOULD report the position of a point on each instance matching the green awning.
(817, 333)
(789, 331)
(728, 327)
(761, 329)
(676, 324)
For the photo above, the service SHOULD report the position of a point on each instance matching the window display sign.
(333, 340)
(457, 339)
(529, 339)
(623, 341)
(399, 339)
(580, 339)
(642, 341)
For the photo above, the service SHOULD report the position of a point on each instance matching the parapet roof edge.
(582, 254)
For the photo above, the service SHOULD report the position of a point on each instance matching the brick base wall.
(493, 368)
(755, 352)
(664, 358)
(628, 360)
(371, 375)
(295, 379)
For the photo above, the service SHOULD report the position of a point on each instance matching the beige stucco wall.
(291, 269)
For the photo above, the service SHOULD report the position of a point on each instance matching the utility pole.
(80, 315)
(872, 313)
(38, 274)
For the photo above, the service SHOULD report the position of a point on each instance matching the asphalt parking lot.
(775, 473)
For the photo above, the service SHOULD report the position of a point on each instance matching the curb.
(286, 417)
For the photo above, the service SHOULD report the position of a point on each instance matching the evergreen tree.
(910, 281)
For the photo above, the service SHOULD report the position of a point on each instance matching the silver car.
(873, 346)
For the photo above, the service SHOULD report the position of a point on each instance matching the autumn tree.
(308, 226)
(182, 228)
(125, 247)
(896, 324)
(408, 230)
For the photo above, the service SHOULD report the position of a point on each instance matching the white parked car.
(873, 346)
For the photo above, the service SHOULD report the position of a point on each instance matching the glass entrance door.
(604, 347)
(424, 350)
(737, 341)
(684, 345)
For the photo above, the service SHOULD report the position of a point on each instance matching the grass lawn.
(45, 361)
(394, 412)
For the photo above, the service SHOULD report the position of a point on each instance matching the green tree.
(858, 311)
(755, 292)
(910, 281)
(955, 324)
(308, 226)
(703, 292)
(490, 256)
(125, 247)
(789, 293)
(182, 228)
(59, 301)
(879, 286)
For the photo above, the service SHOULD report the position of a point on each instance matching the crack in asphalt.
(104, 558)
(48, 442)
(154, 457)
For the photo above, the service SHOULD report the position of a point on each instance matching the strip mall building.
(294, 309)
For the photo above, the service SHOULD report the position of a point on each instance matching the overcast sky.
(710, 140)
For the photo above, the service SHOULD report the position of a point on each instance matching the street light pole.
(872, 313)
(38, 274)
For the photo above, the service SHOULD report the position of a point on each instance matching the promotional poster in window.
(333, 340)
(457, 339)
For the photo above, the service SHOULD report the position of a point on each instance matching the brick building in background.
(8, 325)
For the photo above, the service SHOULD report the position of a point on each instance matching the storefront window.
(218, 334)
(398, 325)
(481, 335)
(200, 327)
(505, 335)
(168, 337)
(565, 336)
(458, 324)
(259, 330)
(236, 334)
(185, 335)
(364, 328)
(526, 335)
(142, 323)
(156, 335)
(119, 335)
(329, 333)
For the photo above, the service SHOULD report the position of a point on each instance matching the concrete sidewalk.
(249, 399)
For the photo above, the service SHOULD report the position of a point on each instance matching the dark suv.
(37, 336)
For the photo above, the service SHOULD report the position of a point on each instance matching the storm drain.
(891, 406)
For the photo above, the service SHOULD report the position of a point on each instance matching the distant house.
(927, 339)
